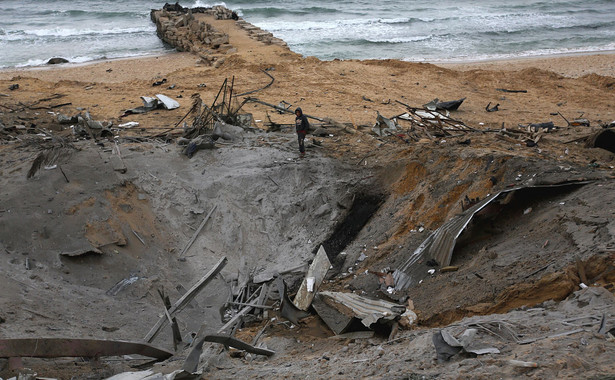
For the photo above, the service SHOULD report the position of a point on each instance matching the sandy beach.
(572, 85)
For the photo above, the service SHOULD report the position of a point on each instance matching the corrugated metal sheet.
(365, 309)
(440, 244)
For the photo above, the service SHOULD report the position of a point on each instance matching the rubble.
(339, 309)
(440, 244)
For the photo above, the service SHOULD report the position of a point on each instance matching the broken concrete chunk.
(81, 252)
(227, 131)
(444, 351)
(338, 322)
(198, 143)
(63, 119)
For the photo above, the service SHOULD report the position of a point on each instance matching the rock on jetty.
(187, 29)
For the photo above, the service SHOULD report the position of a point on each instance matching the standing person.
(302, 125)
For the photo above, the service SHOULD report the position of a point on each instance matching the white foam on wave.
(199, 3)
(70, 32)
(400, 40)
(516, 55)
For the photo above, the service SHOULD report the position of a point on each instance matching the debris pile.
(428, 122)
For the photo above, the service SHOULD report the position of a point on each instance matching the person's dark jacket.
(301, 122)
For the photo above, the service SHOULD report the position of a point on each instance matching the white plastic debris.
(583, 286)
(408, 318)
(168, 103)
(431, 271)
(130, 124)
(310, 284)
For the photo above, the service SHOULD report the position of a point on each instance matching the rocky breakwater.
(187, 29)
(259, 34)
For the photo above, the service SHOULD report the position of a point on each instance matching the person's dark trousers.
(301, 138)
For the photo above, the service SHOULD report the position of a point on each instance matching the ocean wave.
(89, 58)
(199, 3)
(73, 32)
(397, 40)
(269, 12)
(92, 13)
(534, 53)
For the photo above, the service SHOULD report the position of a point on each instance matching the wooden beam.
(186, 298)
(196, 234)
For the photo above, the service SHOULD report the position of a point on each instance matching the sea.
(32, 31)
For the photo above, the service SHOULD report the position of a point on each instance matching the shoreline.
(572, 65)
(566, 64)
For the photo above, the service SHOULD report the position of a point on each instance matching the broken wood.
(66, 347)
(240, 314)
(116, 160)
(255, 305)
(186, 298)
(177, 338)
(64, 174)
(196, 234)
(566, 333)
(581, 271)
(138, 237)
(510, 91)
(314, 277)
(278, 108)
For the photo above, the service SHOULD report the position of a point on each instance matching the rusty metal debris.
(338, 310)
(448, 345)
(451, 105)
(222, 109)
(192, 361)
(418, 122)
(439, 244)
(65, 347)
(287, 309)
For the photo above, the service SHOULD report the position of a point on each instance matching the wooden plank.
(185, 299)
(236, 343)
(317, 271)
(65, 347)
(196, 234)
(241, 313)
